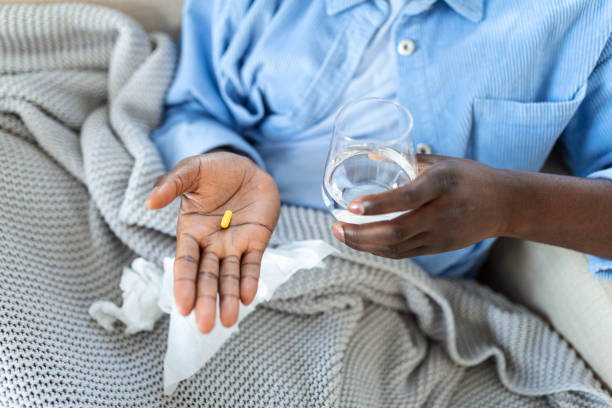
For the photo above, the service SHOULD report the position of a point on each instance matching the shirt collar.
(337, 6)
(470, 9)
(473, 10)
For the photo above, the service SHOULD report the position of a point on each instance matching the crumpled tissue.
(141, 285)
(148, 293)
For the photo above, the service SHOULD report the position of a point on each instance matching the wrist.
(232, 153)
(515, 203)
(230, 150)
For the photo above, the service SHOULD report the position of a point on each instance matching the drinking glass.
(371, 151)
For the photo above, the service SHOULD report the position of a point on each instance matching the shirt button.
(423, 148)
(406, 47)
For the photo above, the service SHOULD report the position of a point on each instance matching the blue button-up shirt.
(498, 81)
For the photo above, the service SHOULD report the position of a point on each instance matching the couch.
(553, 282)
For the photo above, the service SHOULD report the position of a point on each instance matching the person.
(493, 85)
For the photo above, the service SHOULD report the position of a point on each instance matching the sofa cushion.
(154, 15)
(555, 283)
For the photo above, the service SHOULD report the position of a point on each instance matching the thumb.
(183, 178)
(425, 161)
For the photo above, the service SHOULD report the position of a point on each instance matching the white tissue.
(140, 285)
(146, 296)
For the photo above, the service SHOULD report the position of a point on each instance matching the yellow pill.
(227, 217)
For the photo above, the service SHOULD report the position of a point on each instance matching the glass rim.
(400, 107)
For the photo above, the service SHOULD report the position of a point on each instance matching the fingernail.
(356, 207)
(155, 189)
(148, 201)
(338, 232)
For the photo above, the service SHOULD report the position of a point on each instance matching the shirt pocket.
(519, 135)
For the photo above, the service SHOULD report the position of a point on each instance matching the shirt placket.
(412, 85)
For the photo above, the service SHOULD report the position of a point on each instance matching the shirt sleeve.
(587, 140)
(196, 119)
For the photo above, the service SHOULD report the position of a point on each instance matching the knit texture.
(81, 89)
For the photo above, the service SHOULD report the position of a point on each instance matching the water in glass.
(370, 155)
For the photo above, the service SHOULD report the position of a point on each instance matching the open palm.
(209, 259)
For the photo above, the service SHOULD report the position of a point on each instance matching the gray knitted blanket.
(81, 89)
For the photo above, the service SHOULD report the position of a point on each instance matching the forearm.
(571, 212)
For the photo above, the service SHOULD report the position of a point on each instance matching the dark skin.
(458, 202)
(209, 259)
(455, 203)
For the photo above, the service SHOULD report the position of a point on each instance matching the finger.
(229, 285)
(415, 246)
(378, 158)
(181, 179)
(206, 302)
(382, 233)
(420, 191)
(401, 254)
(185, 270)
(249, 275)
(426, 160)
